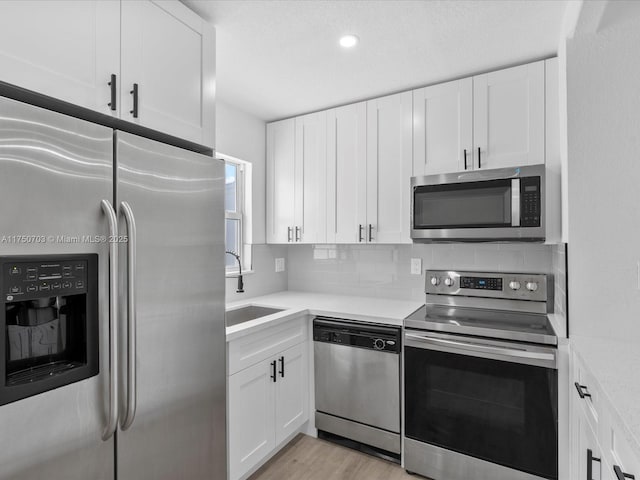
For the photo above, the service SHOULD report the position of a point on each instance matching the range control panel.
(42, 277)
(516, 286)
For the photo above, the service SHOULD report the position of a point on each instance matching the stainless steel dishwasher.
(357, 384)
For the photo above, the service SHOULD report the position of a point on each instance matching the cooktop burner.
(518, 326)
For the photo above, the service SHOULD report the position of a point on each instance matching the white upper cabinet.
(509, 117)
(69, 50)
(169, 53)
(281, 181)
(443, 128)
(310, 225)
(346, 177)
(64, 49)
(389, 167)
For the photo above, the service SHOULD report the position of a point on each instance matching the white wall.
(243, 136)
(603, 101)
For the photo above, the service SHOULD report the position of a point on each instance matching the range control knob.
(532, 286)
(514, 285)
(435, 281)
(378, 344)
(448, 281)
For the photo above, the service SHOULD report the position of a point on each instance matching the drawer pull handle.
(360, 228)
(273, 371)
(590, 460)
(582, 390)
(620, 475)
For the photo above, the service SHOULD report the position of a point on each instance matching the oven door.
(489, 400)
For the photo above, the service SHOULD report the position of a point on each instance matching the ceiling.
(278, 58)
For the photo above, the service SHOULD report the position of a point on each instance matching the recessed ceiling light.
(349, 41)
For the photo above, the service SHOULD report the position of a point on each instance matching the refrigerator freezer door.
(54, 172)
(176, 197)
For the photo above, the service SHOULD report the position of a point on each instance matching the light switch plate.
(416, 266)
(279, 265)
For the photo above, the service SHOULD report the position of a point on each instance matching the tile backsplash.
(385, 270)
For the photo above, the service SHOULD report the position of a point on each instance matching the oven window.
(502, 412)
(484, 204)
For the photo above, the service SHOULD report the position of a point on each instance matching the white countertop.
(615, 365)
(295, 304)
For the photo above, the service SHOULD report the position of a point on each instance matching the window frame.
(243, 175)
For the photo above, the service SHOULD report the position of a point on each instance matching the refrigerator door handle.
(132, 383)
(111, 356)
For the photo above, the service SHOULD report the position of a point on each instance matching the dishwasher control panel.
(354, 334)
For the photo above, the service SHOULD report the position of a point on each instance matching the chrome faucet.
(240, 281)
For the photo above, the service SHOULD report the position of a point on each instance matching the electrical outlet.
(279, 265)
(416, 266)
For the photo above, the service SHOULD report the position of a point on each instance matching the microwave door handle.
(515, 202)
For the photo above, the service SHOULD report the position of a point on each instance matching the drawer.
(256, 347)
(617, 447)
(592, 397)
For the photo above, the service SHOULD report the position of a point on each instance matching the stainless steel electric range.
(481, 379)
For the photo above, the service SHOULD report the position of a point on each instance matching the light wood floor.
(307, 458)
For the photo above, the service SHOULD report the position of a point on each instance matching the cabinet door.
(64, 49)
(280, 181)
(585, 440)
(508, 117)
(311, 178)
(442, 128)
(169, 52)
(251, 419)
(389, 155)
(292, 391)
(347, 173)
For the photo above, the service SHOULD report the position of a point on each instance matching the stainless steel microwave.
(500, 205)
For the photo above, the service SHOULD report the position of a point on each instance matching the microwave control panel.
(530, 204)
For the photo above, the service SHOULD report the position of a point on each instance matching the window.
(236, 198)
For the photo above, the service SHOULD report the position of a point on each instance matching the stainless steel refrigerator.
(153, 217)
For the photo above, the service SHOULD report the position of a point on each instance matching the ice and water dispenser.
(49, 322)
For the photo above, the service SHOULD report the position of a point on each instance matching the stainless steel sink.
(244, 314)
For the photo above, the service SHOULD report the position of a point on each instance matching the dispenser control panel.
(49, 276)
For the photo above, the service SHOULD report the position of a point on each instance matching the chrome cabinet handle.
(111, 356)
(590, 460)
(620, 475)
(360, 227)
(582, 390)
(132, 327)
(370, 233)
(507, 352)
(289, 236)
(298, 236)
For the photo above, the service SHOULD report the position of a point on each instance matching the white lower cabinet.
(268, 401)
(251, 418)
(599, 446)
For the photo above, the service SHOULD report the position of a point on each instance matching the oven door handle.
(484, 351)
